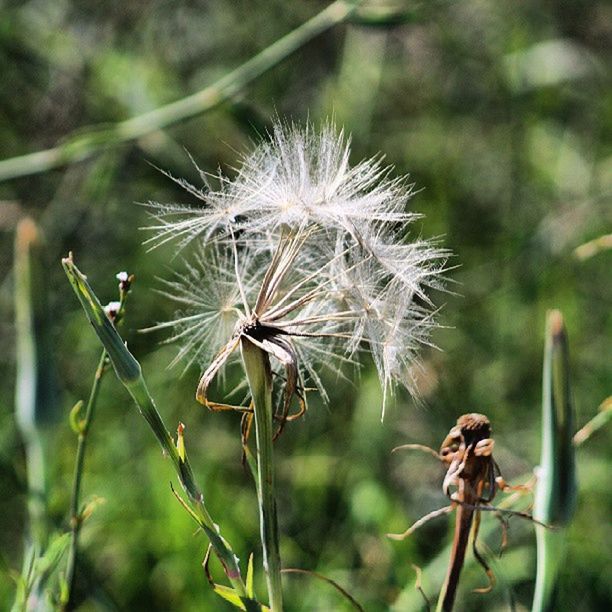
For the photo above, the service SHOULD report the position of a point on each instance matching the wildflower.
(305, 257)
(125, 281)
(112, 310)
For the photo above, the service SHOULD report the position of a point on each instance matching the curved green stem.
(34, 396)
(75, 515)
(82, 145)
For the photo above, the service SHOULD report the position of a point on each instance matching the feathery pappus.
(306, 257)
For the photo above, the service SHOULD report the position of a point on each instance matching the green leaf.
(251, 462)
(185, 505)
(230, 595)
(76, 424)
(249, 578)
(46, 564)
(64, 589)
(35, 381)
(126, 366)
(129, 372)
(555, 496)
(21, 594)
(556, 489)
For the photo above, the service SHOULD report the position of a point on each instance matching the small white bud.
(111, 309)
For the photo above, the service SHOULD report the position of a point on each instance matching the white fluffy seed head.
(311, 247)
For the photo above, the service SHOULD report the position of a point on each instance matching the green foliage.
(129, 372)
(41, 582)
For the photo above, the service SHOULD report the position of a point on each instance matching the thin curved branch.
(81, 145)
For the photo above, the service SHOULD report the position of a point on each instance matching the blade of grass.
(31, 394)
(35, 395)
(129, 372)
(556, 487)
(81, 428)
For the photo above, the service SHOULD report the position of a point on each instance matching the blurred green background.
(502, 115)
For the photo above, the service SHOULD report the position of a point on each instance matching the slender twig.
(80, 146)
(257, 368)
(596, 423)
(75, 515)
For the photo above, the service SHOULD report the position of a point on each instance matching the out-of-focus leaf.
(46, 564)
(549, 63)
(384, 16)
(597, 422)
(555, 497)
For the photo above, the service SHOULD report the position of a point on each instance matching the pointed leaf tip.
(556, 324)
(180, 441)
(249, 578)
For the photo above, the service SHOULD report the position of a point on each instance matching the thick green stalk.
(82, 145)
(129, 372)
(556, 487)
(35, 390)
(257, 368)
(75, 516)
(30, 393)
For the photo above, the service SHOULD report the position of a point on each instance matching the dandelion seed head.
(307, 257)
